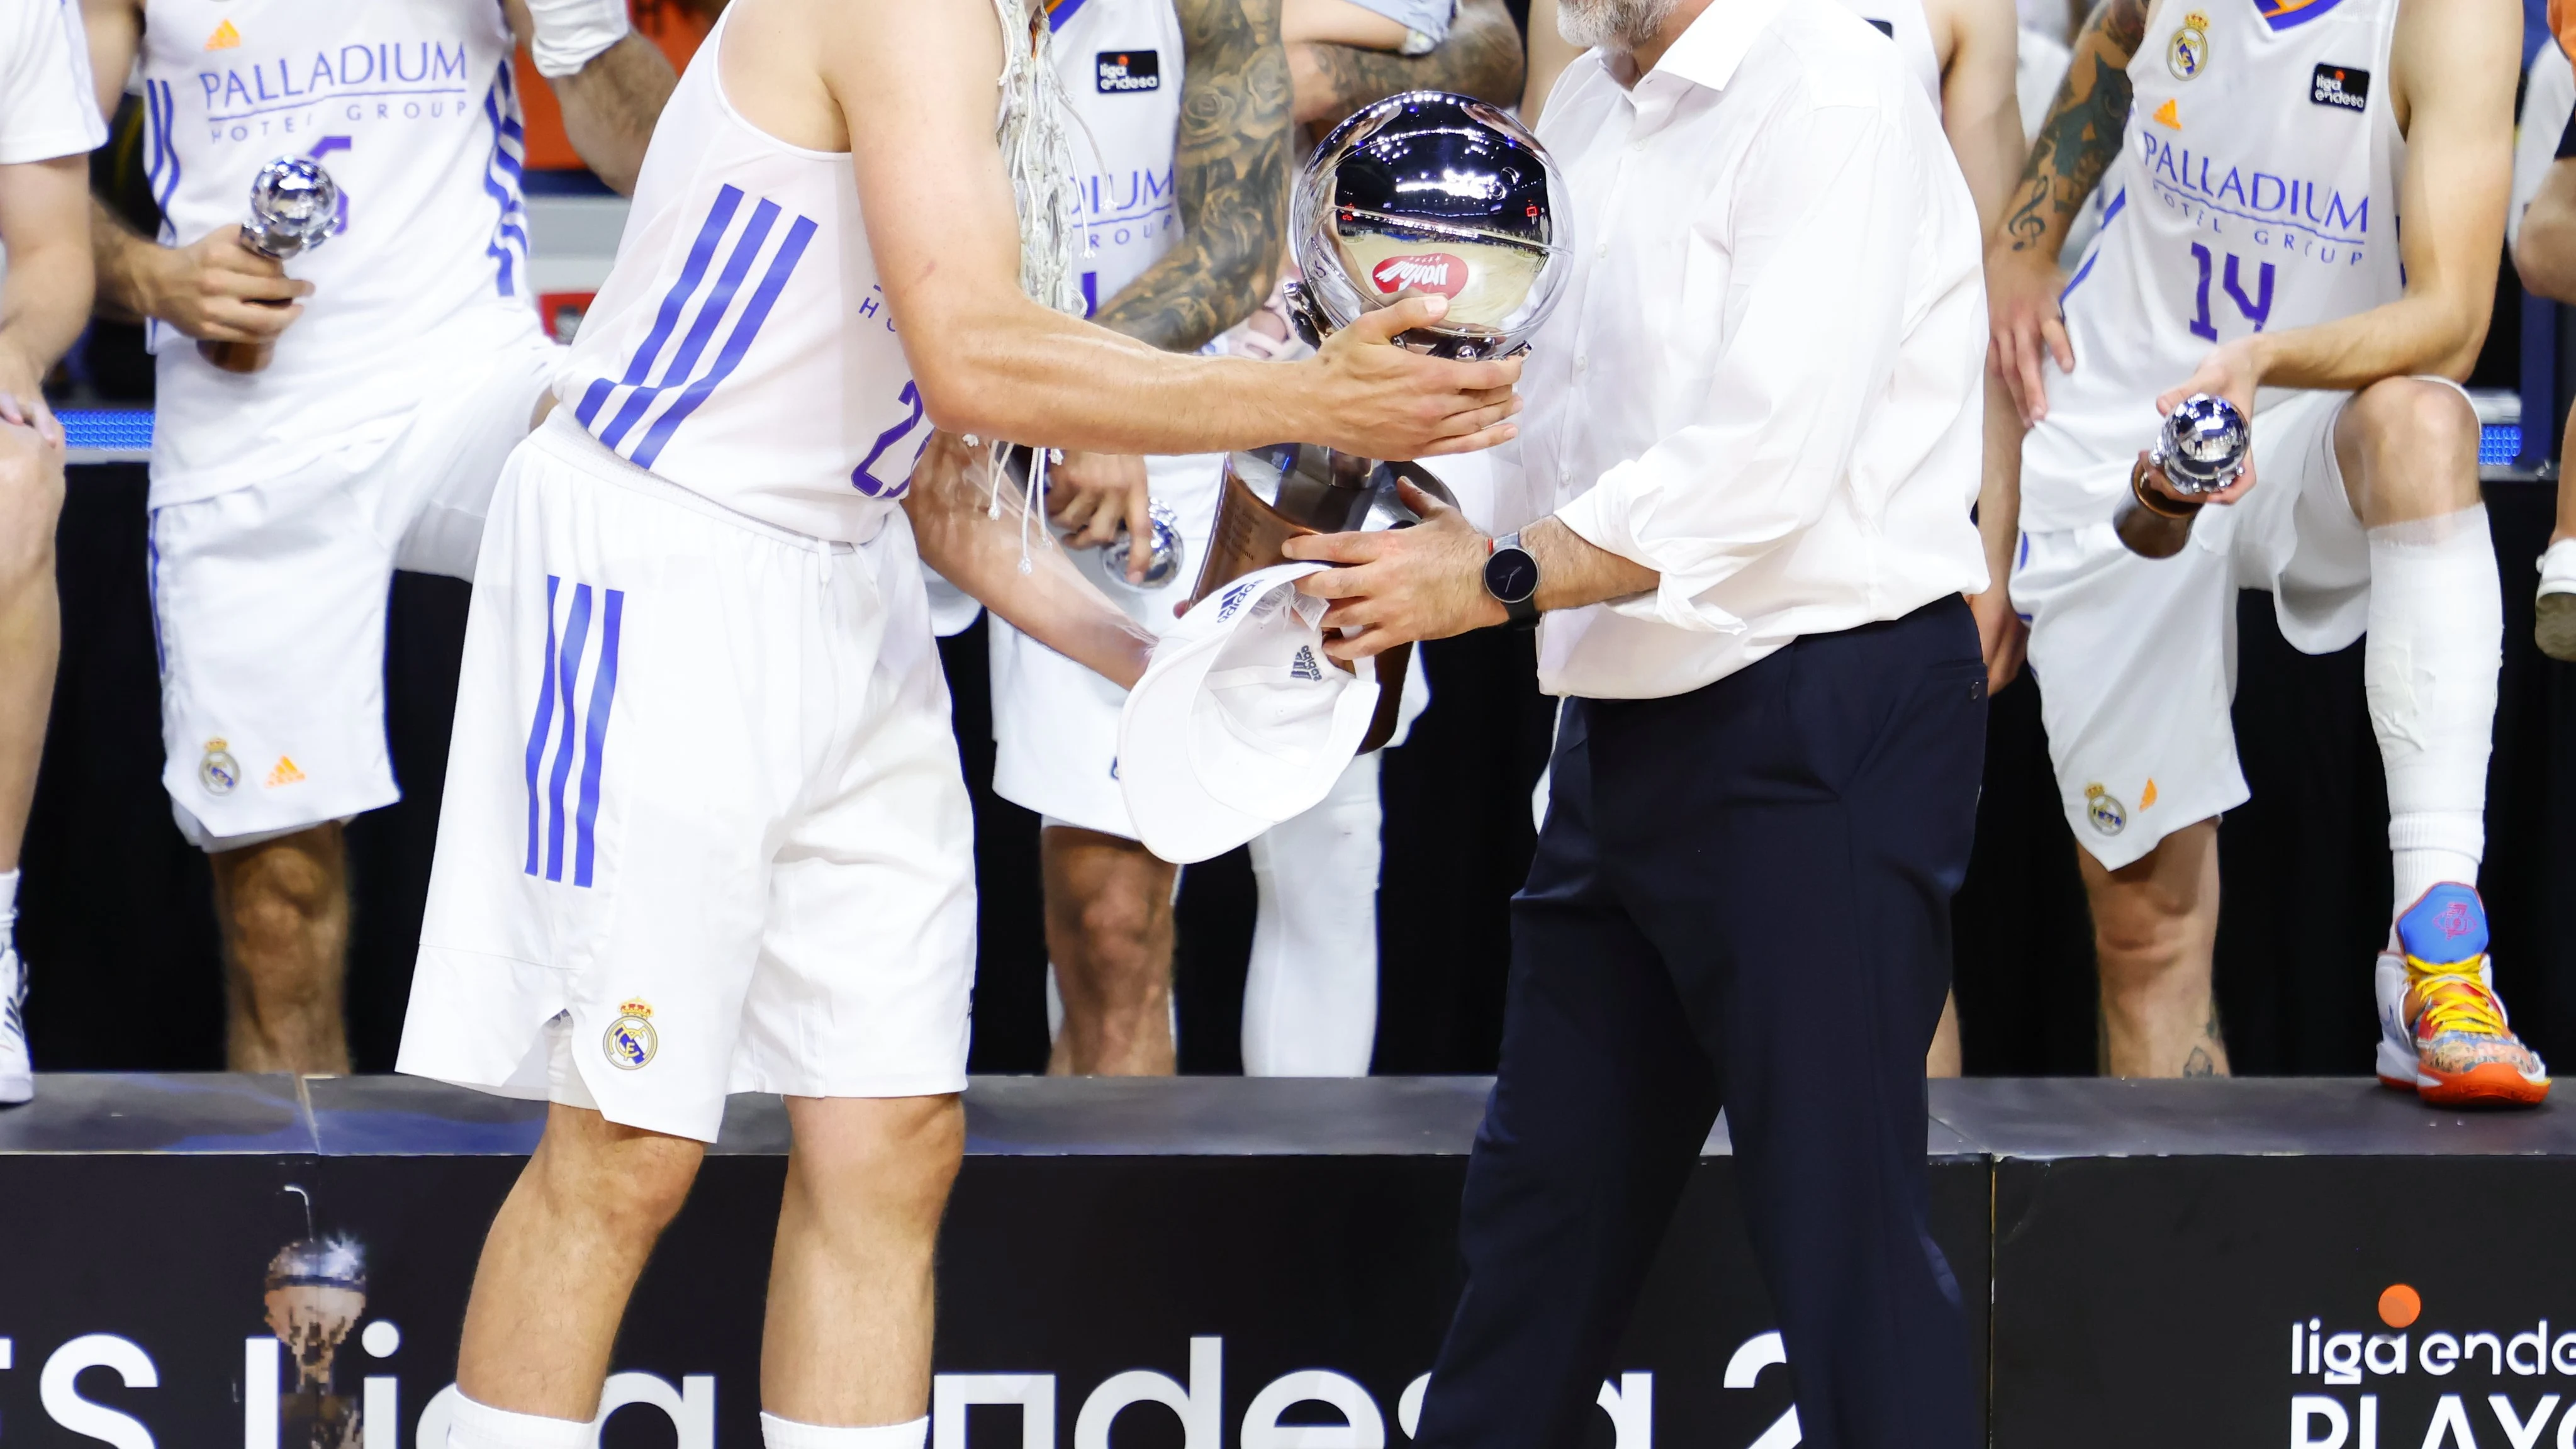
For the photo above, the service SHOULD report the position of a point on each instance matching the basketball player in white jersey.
(407, 361)
(704, 829)
(48, 127)
(2305, 201)
(1184, 136)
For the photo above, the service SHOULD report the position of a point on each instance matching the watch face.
(1511, 575)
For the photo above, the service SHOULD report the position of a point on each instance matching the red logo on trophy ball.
(1436, 272)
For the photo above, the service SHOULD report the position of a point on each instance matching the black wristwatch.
(1511, 576)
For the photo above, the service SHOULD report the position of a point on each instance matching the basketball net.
(1037, 150)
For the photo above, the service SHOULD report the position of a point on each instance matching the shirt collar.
(1713, 45)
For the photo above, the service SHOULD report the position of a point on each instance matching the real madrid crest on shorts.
(217, 771)
(2187, 54)
(2108, 815)
(630, 1041)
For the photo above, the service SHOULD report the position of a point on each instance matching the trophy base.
(1251, 533)
(238, 356)
(2152, 525)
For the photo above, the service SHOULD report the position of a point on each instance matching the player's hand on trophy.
(216, 289)
(1397, 585)
(22, 395)
(2022, 289)
(2232, 370)
(1383, 401)
(1090, 496)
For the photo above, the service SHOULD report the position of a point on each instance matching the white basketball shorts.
(269, 607)
(2136, 657)
(703, 812)
(1055, 722)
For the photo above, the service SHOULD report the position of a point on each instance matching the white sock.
(8, 909)
(778, 1433)
(2429, 669)
(480, 1426)
(2558, 568)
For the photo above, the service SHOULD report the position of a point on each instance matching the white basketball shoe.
(17, 1069)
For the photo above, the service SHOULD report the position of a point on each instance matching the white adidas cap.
(1240, 722)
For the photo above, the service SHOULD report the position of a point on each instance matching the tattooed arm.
(1230, 184)
(1481, 58)
(2075, 146)
(1230, 178)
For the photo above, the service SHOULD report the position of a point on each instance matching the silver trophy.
(1429, 193)
(2201, 449)
(1425, 193)
(316, 1291)
(294, 207)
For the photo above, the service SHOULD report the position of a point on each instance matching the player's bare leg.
(31, 621)
(847, 1338)
(2155, 926)
(1109, 933)
(283, 907)
(561, 1259)
(1943, 1060)
(2557, 603)
(31, 636)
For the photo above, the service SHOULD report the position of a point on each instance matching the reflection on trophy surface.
(294, 207)
(1425, 193)
(317, 1288)
(2201, 449)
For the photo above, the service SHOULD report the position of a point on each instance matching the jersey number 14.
(2257, 309)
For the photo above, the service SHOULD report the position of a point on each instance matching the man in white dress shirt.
(1752, 443)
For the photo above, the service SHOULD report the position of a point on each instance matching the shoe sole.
(17, 1091)
(2556, 628)
(2492, 1085)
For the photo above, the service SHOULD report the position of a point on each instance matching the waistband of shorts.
(568, 441)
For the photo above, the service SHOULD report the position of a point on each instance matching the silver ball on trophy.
(2201, 449)
(294, 207)
(2203, 446)
(1429, 193)
(1163, 561)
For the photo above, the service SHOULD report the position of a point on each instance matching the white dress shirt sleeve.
(1818, 238)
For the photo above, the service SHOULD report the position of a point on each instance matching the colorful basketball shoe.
(2442, 1028)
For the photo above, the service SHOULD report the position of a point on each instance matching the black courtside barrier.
(1228, 1264)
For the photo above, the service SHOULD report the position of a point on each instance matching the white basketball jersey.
(2257, 190)
(1904, 22)
(1122, 66)
(410, 106)
(742, 347)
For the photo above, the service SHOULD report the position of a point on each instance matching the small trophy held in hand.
(294, 205)
(1421, 193)
(2200, 451)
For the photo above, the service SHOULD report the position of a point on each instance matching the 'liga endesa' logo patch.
(1437, 272)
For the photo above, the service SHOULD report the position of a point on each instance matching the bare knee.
(2147, 916)
(278, 891)
(889, 1160)
(31, 502)
(1117, 927)
(2418, 443)
(623, 1183)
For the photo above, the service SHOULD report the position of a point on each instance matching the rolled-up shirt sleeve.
(1818, 240)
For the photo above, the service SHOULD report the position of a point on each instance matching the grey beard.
(1620, 24)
